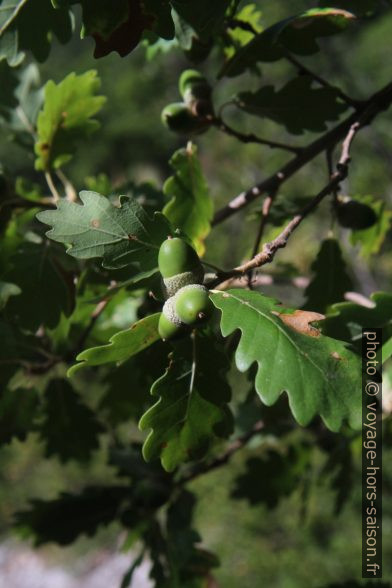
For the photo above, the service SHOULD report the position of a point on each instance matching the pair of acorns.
(195, 114)
(188, 304)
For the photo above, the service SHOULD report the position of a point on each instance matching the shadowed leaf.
(192, 406)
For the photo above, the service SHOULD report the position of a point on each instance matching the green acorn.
(170, 326)
(192, 305)
(179, 265)
(196, 92)
(193, 86)
(354, 215)
(180, 119)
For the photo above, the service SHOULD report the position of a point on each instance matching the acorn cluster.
(195, 113)
(187, 305)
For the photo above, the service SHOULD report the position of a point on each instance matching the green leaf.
(8, 84)
(339, 468)
(17, 413)
(184, 552)
(320, 375)
(120, 235)
(9, 48)
(20, 101)
(387, 350)
(6, 291)
(192, 406)
(122, 345)
(69, 429)
(357, 7)
(208, 17)
(331, 280)
(47, 289)
(297, 34)
(9, 10)
(237, 36)
(162, 23)
(16, 23)
(30, 95)
(294, 105)
(273, 475)
(190, 208)
(17, 349)
(370, 240)
(346, 320)
(66, 118)
(113, 30)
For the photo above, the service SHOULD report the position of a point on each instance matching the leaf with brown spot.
(300, 321)
(289, 360)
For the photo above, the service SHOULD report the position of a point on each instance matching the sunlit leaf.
(190, 208)
(297, 34)
(122, 345)
(66, 118)
(120, 235)
(320, 375)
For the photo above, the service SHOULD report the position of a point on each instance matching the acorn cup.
(188, 304)
(170, 326)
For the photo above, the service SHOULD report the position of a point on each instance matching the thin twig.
(222, 459)
(52, 187)
(303, 69)
(251, 138)
(264, 218)
(377, 103)
(263, 222)
(269, 250)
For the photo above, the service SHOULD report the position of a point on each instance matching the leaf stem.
(52, 187)
(219, 123)
(69, 188)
